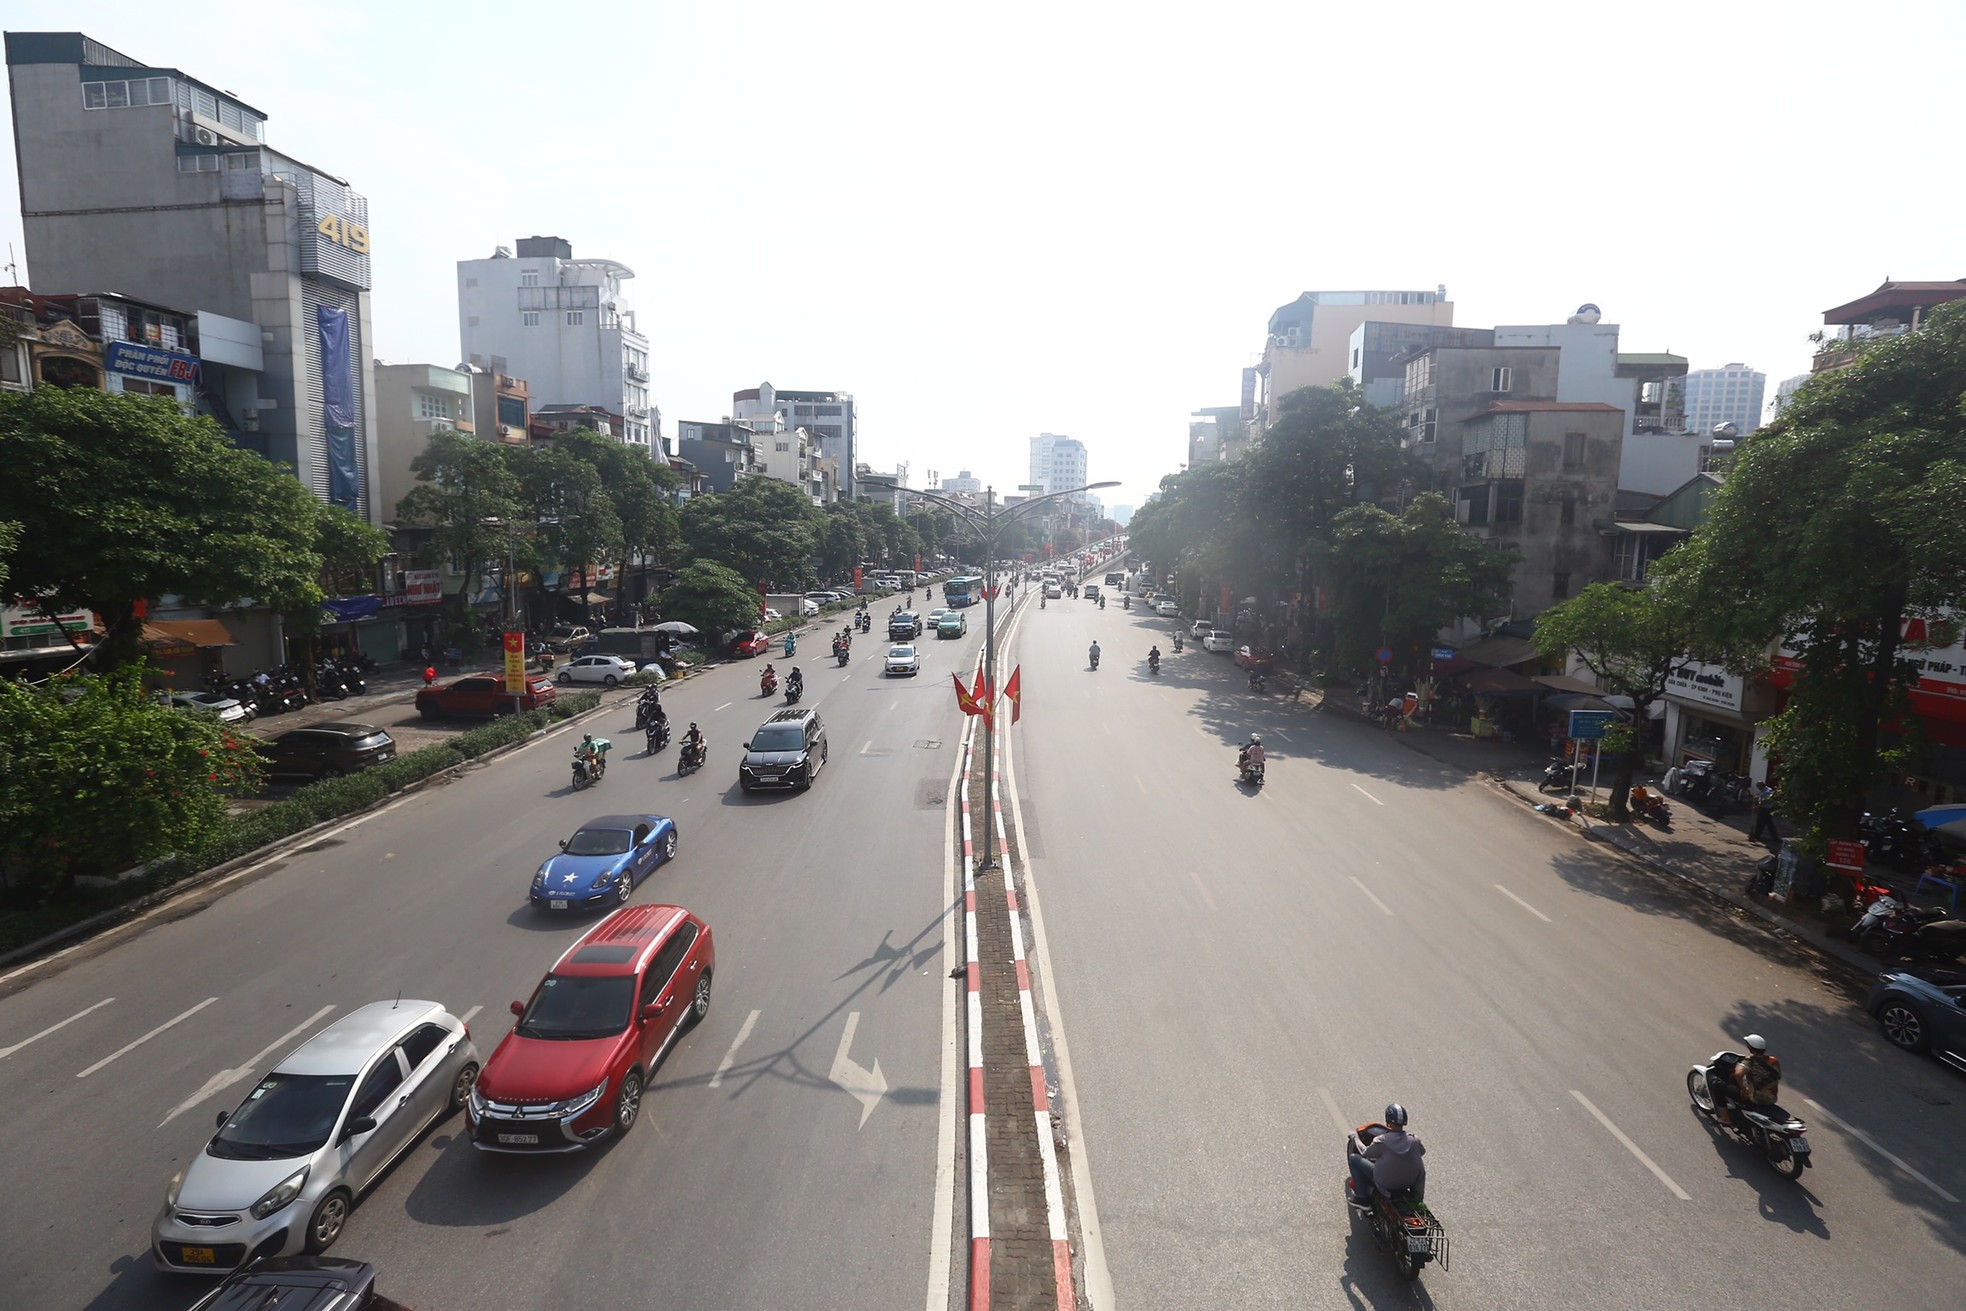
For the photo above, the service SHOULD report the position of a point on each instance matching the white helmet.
(1756, 1043)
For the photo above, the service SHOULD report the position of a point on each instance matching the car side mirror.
(360, 1124)
(518, 1008)
(223, 1116)
(654, 1009)
(563, 844)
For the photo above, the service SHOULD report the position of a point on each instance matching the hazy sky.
(989, 221)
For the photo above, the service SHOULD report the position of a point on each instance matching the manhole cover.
(928, 744)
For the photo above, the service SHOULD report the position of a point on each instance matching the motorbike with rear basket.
(1402, 1225)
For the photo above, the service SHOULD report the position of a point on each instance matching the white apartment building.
(828, 417)
(1733, 394)
(1057, 463)
(962, 482)
(1309, 340)
(564, 326)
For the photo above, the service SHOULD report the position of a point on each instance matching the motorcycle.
(692, 759)
(1126, 602)
(658, 735)
(1257, 683)
(1770, 1130)
(1102, 603)
(1093, 656)
(1556, 774)
(1177, 644)
(841, 655)
(1251, 773)
(1897, 840)
(793, 691)
(585, 772)
(767, 683)
(791, 644)
(646, 708)
(1402, 1225)
(1153, 665)
(1890, 930)
(1651, 805)
(866, 622)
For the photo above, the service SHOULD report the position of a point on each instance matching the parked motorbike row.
(1716, 791)
(1898, 840)
(282, 689)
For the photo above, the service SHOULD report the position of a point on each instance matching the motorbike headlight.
(575, 1105)
(170, 1193)
(280, 1194)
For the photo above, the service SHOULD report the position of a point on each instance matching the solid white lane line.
(1631, 1147)
(1280, 733)
(465, 1019)
(1368, 892)
(942, 1211)
(224, 1079)
(127, 1048)
(1872, 1143)
(1337, 1116)
(869, 747)
(1525, 905)
(1200, 886)
(743, 1032)
(5, 1052)
(725, 706)
(1137, 782)
(1367, 795)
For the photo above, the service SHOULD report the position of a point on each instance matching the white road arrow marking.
(224, 1079)
(866, 1086)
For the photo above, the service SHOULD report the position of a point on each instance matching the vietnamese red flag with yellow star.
(982, 697)
(1014, 690)
(963, 698)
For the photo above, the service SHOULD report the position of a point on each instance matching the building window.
(1502, 379)
(576, 318)
(1573, 452)
(1559, 586)
(529, 278)
(433, 407)
(143, 387)
(122, 95)
(1508, 501)
(530, 318)
(197, 163)
(784, 446)
(1569, 511)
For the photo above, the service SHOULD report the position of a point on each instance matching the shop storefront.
(385, 626)
(187, 653)
(1711, 715)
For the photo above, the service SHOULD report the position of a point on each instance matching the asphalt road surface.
(753, 1179)
(1241, 976)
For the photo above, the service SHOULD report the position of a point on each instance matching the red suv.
(483, 694)
(573, 1068)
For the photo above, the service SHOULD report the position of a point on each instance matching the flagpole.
(989, 678)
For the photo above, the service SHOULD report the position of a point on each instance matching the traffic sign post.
(1588, 726)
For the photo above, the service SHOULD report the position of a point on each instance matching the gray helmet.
(1756, 1043)
(1395, 1116)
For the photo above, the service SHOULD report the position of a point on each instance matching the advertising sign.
(1589, 725)
(515, 663)
(153, 362)
(1249, 393)
(1846, 856)
(27, 621)
(1706, 685)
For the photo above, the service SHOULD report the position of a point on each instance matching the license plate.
(557, 904)
(519, 1139)
(1800, 1147)
(1419, 1245)
(198, 1256)
(385, 755)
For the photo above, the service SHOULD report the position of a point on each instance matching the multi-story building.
(1218, 432)
(161, 186)
(1733, 394)
(501, 405)
(962, 482)
(828, 416)
(1786, 388)
(549, 421)
(722, 452)
(412, 401)
(1894, 309)
(1377, 354)
(563, 325)
(1309, 341)
(1058, 464)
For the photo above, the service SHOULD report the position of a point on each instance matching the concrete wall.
(1549, 546)
(1658, 462)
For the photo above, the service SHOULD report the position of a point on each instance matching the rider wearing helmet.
(595, 751)
(795, 681)
(1251, 753)
(1755, 1081)
(693, 740)
(1386, 1158)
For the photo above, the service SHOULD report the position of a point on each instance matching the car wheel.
(332, 771)
(565, 679)
(429, 712)
(628, 1102)
(1904, 1026)
(624, 888)
(609, 680)
(325, 1225)
(699, 1005)
(461, 1087)
(669, 846)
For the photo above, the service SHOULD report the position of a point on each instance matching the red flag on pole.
(982, 698)
(963, 698)
(1014, 690)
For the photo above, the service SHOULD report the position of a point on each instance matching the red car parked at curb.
(572, 1070)
(483, 694)
(751, 644)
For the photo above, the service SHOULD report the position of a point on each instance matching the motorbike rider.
(1102, 603)
(1177, 644)
(1251, 754)
(1755, 1081)
(1153, 659)
(769, 678)
(1387, 1161)
(795, 682)
(693, 740)
(1126, 601)
(594, 751)
(1092, 653)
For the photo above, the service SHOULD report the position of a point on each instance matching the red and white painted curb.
(979, 1192)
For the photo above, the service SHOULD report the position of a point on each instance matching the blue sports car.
(603, 861)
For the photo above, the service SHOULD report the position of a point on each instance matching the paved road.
(1238, 976)
(750, 1180)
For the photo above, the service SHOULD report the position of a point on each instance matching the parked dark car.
(327, 750)
(1923, 1009)
(483, 694)
(299, 1282)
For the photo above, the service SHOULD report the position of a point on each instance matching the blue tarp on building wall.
(338, 406)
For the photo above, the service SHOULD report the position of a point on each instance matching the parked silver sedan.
(282, 1172)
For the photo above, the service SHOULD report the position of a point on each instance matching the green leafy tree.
(1630, 637)
(576, 527)
(639, 489)
(95, 777)
(841, 537)
(1836, 533)
(762, 528)
(9, 539)
(348, 549)
(130, 499)
(468, 499)
(714, 598)
(1400, 579)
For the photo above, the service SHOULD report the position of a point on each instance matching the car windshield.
(567, 1007)
(779, 737)
(901, 653)
(599, 842)
(286, 1115)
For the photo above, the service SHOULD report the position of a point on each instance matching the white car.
(1168, 609)
(607, 670)
(1218, 641)
(808, 608)
(903, 659)
(772, 616)
(934, 618)
(1052, 591)
(1200, 628)
(283, 1170)
(228, 710)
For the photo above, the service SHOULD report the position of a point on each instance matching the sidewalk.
(1710, 854)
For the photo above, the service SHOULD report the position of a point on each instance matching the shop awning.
(1499, 652)
(1565, 683)
(1498, 682)
(185, 634)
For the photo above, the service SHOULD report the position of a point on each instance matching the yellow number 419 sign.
(345, 232)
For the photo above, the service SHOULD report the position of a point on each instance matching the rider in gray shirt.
(1390, 1160)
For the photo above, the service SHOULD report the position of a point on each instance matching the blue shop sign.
(153, 362)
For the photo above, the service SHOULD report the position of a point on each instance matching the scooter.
(793, 691)
(841, 656)
(791, 643)
(1257, 683)
(767, 683)
(1768, 1129)
(1402, 1226)
(1556, 775)
(1891, 930)
(1094, 657)
(1251, 774)
(1177, 644)
(692, 759)
(646, 709)
(585, 772)
(1648, 804)
(658, 735)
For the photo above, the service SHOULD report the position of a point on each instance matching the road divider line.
(1337, 1116)
(1200, 886)
(1836, 1122)
(1631, 1146)
(224, 1079)
(127, 1048)
(1141, 784)
(725, 706)
(869, 747)
(1368, 892)
(1367, 795)
(465, 1019)
(5, 1052)
(1525, 905)
(730, 1057)
(942, 1208)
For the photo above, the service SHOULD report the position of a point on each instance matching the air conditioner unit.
(205, 136)
(504, 430)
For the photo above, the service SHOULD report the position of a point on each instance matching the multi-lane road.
(1232, 978)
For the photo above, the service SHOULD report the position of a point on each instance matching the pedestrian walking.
(1764, 814)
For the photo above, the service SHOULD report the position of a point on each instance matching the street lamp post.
(991, 523)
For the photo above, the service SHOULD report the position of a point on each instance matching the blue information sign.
(1443, 653)
(1589, 725)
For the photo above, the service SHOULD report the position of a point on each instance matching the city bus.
(962, 590)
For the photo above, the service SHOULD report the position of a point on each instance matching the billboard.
(1249, 393)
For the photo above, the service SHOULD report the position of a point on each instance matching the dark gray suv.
(787, 751)
(327, 750)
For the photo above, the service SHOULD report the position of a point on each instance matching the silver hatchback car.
(283, 1170)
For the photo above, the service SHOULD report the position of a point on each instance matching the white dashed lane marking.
(129, 1047)
(1525, 905)
(5, 1052)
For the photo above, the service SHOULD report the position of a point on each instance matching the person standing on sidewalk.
(1764, 814)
